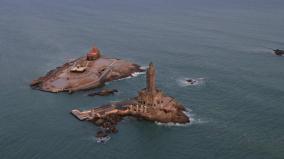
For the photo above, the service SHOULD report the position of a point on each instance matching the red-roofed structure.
(93, 54)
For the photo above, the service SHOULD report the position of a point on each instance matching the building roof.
(93, 52)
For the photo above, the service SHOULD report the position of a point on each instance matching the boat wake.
(184, 82)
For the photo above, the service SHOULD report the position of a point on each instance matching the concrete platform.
(81, 115)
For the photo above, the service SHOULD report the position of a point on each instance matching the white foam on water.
(192, 119)
(196, 82)
(187, 113)
(133, 75)
(103, 140)
(172, 124)
(100, 141)
(144, 67)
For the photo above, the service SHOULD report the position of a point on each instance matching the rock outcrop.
(85, 73)
(279, 52)
(151, 104)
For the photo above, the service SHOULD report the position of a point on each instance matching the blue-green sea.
(236, 109)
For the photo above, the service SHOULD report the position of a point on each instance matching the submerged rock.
(101, 134)
(99, 122)
(103, 92)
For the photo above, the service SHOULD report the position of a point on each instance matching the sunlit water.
(237, 111)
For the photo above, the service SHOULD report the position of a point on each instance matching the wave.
(133, 75)
(192, 119)
(183, 82)
(187, 113)
(144, 67)
(100, 140)
(172, 124)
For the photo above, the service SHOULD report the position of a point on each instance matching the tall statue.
(151, 79)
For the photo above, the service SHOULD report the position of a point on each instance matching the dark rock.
(108, 131)
(114, 130)
(279, 52)
(191, 81)
(101, 134)
(99, 122)
(103, 92)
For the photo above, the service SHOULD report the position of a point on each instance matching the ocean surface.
(237, 108)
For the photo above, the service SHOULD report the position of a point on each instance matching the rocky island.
(151, 104)
(87, 72)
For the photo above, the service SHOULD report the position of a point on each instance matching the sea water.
(236, 111)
